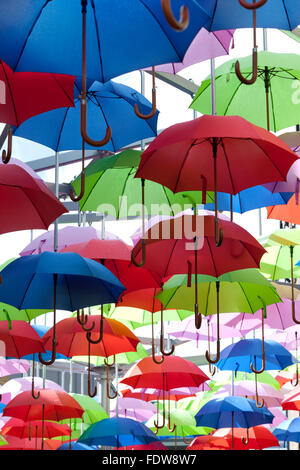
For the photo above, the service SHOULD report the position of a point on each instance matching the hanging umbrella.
(259, 438)
(13, 387)
(173, 372)
(111, 186)
(151, 394)
(34, 429)
(88, 22)
(27, 201)
(15, 443)
(240, 291)
(134, 408)
(27, 94)
(20, 339)
(287, 213)
(76, 446)
(216, 143)
(247, 388)
(51, 405)
(66, 236)
(13, 366)
(204, 46)
(288, 430)
(57, 280)
(272, 91)
(99, 336)
(232, 412)
(292, 400)
(249, 199)
(117, 432)
(121, 358)
(255, 355)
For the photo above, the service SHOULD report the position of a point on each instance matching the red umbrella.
(20, 338)
(256, 438)
(50, 405)
(26, 202)
(116, 256)
(15, 443)
(34, 429)
(173, 372)
(156, 445)
(25, 94)
(292, 400)
(155, 396)
(215, 153)
(108, 338)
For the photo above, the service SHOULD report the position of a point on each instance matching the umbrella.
(289, 212)
(66, 236)
(135, 409)
(240, 291)
(288, 430)
(27, 201)
(249, 354)
(217, 43)
(215, 143)
(247, 388)
(249, 199)
(27, 94)
(117, 432)
(232, 412)
(121, 358)
(75, 339)
(258, 438)
(173, 372)
(13, 387)
(50, 405)
(13, 366)
(76, 446)
(150, 394)
(57, 280)
(273, 91)
(111, 188)
(34, 429)
(116, 54)
(292, 400)
(15, 443)
(20, 339)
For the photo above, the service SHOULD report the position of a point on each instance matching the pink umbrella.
(205, 46)
(13, 366)
(135, 409)
(13, 387)
(279, 417)
(66, 236)
(289, 338)
(247, 388)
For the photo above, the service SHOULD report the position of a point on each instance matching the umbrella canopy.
(27, 201)
(51, 405)
(292, 400)
(246, 155)
(120, 52)
(173, 372)
(13, 387)
(187, 330)
(117, 432)
(135, 409)
(247, 388)
(110, 187)
(32, 429)
(258, 438)
(20, 339)
(151, 394)
(28, 94)
(232, 412)
(288, 430)
(13, 366)
(110, 104)
(277, 74)
(239, 356)
(93, 411)
(289, 212)
(276, 263)
(74, 445)
(66, 236)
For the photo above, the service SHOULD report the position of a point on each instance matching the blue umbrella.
(76, 446)
(59, 280)
(249, 199)
(107, 104)
(117, 432)
(232, 412)
(288, 430)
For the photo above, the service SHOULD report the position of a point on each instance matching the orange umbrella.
(289, 212)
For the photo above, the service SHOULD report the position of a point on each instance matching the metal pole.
(55, 247)
(71, 376)
(44, 375)
(213, 87)
(117, 380)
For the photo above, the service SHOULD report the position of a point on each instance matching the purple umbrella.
(66, 236)
(13, 366)
(247, 388)
(134, 408)
(13, 387)
(205, 46)
(289, 338)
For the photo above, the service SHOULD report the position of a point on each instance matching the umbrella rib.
(273, 163)
(98, 38)
(171, 254)
(53, 77)
(212, 258)
(165, 192)
(234, 94)
(244, 292)
(124, 186)
(183, 162)
(26, 290)
(61, 129)
(90, 191)
(35, 207)
(227, 162)
(220, 42)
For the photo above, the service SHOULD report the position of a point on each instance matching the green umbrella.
(275, 91)
(279, 260)
(180, 423)
(144, 317)
(245, 290)
(93, 411)
(112, 189)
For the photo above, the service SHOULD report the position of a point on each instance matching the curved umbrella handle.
(248, 81)
(212, 371)
(6, 155)
(83, 130)
(164, 353)
(207, 354)
(259, 405)
(110, 364)
(153, 110)
(82, 317)
(263, 344)
(252, 6)
(91, 393)
(297, 370)
(35, 396)
(111, 397)
(53, 355)
(139, 265)
(209, 359)
(218, 233)
(187, 442)
(198, 316)
(89, 334)
(184, 20)
(156, 361)
(246, 441)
